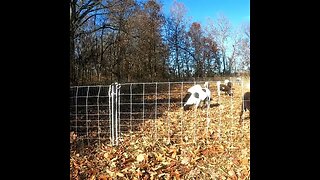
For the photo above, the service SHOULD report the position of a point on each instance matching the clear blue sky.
(237, 11)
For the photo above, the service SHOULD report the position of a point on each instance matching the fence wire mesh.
(104, 114)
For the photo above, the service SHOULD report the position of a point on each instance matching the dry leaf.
(120, 174)
(112, 174)
(174, 154)
(106, 155)
(140, 157)
(177, 174)
(231, 173)
(103, 177)
(158, 157)
(245, 161)
(185, 161)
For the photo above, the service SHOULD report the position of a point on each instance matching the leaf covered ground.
(197, 144)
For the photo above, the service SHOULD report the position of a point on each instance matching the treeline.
(131, 40)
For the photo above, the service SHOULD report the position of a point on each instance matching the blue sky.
(237, 11)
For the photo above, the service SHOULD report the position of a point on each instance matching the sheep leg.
(186, 107)
(241, 113)
(208, 101)
(197, 104)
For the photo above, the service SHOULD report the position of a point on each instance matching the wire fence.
(104, 114)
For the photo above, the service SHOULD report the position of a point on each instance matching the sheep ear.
(206, 84)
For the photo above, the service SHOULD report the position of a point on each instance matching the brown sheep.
(245, 104)
(227, 88)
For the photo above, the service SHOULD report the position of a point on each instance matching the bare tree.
(220, 31)
(81, 13)
(210, 56)
(195, 33)
(244, 47)
(176, 37)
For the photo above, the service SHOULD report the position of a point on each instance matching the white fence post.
(98, 109)
(114, 94)
(111, 117)
(118, 130)
(76, 106)
(87, 114)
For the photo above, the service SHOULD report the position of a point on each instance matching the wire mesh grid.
(89, 113)
(156, 108)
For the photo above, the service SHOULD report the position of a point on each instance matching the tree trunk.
(73, 76)
(224, 62)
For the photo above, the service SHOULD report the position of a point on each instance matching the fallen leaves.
(186, 149)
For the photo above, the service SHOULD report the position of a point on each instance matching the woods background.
(134, 41)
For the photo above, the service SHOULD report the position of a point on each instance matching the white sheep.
(238, 80)
(196, 94)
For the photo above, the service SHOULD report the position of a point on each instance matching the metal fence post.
(114, 93)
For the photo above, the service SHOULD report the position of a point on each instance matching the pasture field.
(204, 143)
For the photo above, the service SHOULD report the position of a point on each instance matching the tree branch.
(84, 21)
(97, 29)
